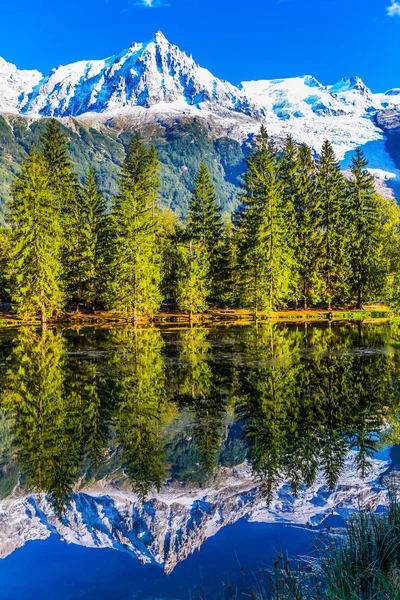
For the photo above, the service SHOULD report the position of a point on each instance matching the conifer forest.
(305, 234)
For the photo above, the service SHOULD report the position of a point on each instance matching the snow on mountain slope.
(14, 84)
(171, 525)
(305, 97)
(143, 75)
(156, 78)
(344, 113)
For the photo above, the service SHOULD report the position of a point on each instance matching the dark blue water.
(51, 569)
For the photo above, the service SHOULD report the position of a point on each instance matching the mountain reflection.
(144, 406)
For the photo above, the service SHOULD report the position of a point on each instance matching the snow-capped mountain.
(141, 76)
(156, 78)
(14, 84)
(305, 97)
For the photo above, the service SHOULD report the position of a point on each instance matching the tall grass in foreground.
(361, 564)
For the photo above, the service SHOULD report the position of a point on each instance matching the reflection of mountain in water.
(268, 423)
(173, 524)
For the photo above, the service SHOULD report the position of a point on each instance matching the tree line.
(304, 234)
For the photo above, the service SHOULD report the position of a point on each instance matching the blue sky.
(236, 39)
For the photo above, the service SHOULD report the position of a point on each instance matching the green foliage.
(46, 422)
(299, 178)
(103, 148)
(333, 220)
(67, 193)
(136, 229)
(364, 246)
(204, 224)
(302, 235)
(5, 238)
(138, 370)
(265, 257)
(94, 242)
(192, 277)
(34, 269)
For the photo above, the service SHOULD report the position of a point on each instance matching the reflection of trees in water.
(136, 368)
(305, 410)
(200, 389)
(47, 423)
(303, 396)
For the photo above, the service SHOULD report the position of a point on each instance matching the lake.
(178, 463)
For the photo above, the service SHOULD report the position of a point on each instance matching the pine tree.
(308, 228)
(94, 241)
(332, 218)
(204, 224)
(265, 260)
(5, 236)
(192, 278)
(289, 162)
(136, 230)
(67, 192)
(35, 271)
(364, 220)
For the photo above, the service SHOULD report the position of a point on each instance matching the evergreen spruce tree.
(204, 225)
(94, 242)
(136, 230)
(289, 173)
(5, 236)
(332, 217)
(171, 237)
(67, 192)
(364, 220)
(35, 270)
(308, 228)
(265, 260)
(192, 277)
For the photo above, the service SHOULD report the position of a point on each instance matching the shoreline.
(215, 316)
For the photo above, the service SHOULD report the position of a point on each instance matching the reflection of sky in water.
(51, 569)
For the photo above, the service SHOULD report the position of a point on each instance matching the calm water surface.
(175, 463)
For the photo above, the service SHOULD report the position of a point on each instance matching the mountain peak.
(348, 84)
(144, 75)
(160, 37)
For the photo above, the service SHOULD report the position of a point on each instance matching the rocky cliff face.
(171, 525)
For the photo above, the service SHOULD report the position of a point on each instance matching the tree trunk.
(135, 318)
(360, 300)
(43, 316)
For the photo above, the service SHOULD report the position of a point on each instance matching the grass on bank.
(239, 316)
(361, 564)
